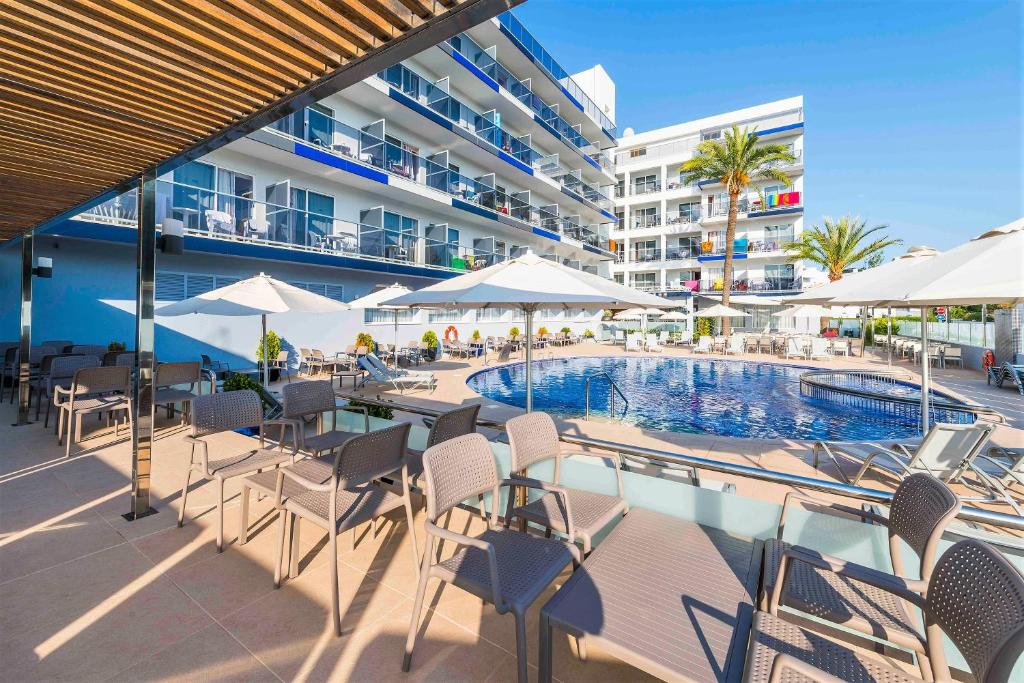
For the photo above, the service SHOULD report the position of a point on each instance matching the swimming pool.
(696, 396)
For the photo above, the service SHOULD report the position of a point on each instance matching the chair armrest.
(284, 422)
(204, 451)
(479, 544)
(911, 590)
(784, 663)
(799, 497)
(308, 483)
(359, 409)
(563, 495)
(612, 458)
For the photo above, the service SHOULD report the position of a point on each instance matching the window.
(618, 278)
(313, 216)
(645, 280)
(448, 315)
(194, 185)
(172, 286)
(549, 313)
(689, 212)
(490, 315)
(320, 120)
(387, 316)
(638, 152)
(644, 184)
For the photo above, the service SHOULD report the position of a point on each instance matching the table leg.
(544, 661)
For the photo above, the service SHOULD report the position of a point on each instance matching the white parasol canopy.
(259, 295)
(870, 287)
(721, 311)
(673, 317)
(529, 282)
(806, 311)
(379, 299)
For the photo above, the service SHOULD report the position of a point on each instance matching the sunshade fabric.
(529, 281)
(380, 298)
(807, 311)
(869, 287)
(721, 311)
(258, 295)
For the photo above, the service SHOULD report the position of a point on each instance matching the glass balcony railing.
(486, 128)
(645, 255)
(690, 216)
(743, 284)
(206, 213)
(574, 183)
(560, 75)
(647, 221)
(342, 139)
(645, 188)
(476, 54)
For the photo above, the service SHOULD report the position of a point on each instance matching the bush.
(703, 328)
(116, 346)
(430, 339)
(588, 334)
(364, 339)
(879, 327)
(273, 346)
(541, 331)
(239, 382)
(566, 330)
(475, 336)
(514, 332)
(383, 412)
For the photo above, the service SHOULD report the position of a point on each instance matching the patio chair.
(819, 348)
(216, 366)
(94, 390)
(921, 509)
(703, 345)
(794, 347)
(39, 382)
(634, 343)
(764, 344)
(751, 344)
(533, 439)
(311, 401)
(126, 359)
(445, 426)
(734, 344)
(501, 566)
(952, 354)
(975, 598)
(351, 495)
(652, 343)
(12, 365)
(665, 338)
(281, 365)
(226, 412)
(62, 373)
(59, 344)
(401, 382)
(170, 375)
(87, 350)
(1003, 463)
(620, 336)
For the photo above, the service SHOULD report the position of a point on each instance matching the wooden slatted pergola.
(94, 92)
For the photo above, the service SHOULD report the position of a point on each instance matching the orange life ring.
(451, 332)
(988, 359)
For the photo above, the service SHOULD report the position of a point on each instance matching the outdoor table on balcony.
(663, 594)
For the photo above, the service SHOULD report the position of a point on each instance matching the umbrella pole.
(984, 326)
(863, 329)
(529, 360)
(925, 373)
(395, 349)
(888, 335)
(266, 361)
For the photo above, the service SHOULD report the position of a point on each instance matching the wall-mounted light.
(44, 267)
(172, 240)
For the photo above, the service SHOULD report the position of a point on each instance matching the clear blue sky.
(912, 109)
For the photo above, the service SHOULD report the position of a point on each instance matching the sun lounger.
(735, 344)
(377, 362)
(819, 349)
(401, 382)
(634, 343)
(652, 343)
(1007, 371)
(703, 345)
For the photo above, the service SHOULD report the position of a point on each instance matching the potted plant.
(541, 331)
(365, 339)
(514, 332)
(116, 346)
(588, 335)
(273, 349)
(566, 330)
(475, 336)
(430, 339)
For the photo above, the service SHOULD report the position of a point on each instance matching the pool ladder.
(613, 389)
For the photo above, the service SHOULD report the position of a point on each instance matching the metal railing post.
(25, 348)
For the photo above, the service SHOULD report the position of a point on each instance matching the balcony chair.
(227, 412)
(921, 509)
(533, 439)
(340, 493)
(975, 598)
(507, 568)
(93, 390)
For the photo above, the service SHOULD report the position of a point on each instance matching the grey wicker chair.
(341, 495)
(59, 344)
(226, 412)
(62, 373)
(93, 390)
(89, 349)
(170, 377)
(506, 568)
(12, 367)
(315, 399)
(41, 380)
(445, 426)
(921, 509)
(533, 438)
(975, 598)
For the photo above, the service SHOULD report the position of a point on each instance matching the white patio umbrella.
(805, 311)
(638, 313)
(379, 299)
(529, 282)
(259, 295)
(721, 311)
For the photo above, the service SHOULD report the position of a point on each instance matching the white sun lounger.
(397, 380)
(703, 345)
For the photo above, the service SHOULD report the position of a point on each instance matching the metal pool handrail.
(612, 390)
(816, 383)
(969, 514)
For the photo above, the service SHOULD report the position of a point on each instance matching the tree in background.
(839, 245)
(735, 162)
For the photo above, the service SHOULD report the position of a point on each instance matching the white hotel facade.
(669, 236)
(465, 155)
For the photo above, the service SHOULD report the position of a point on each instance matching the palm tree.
(839, 245)
(735, 162)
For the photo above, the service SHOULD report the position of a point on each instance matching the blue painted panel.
(309, 152)
(591, 162)
(572, 99)
(546, 233)
(473, 208)
(591, 249)
(515, 162)
(474, 69)
(720, 257)
(780, 129)
(416, 106)
(776, 212)
(610, 216)
(547, 126)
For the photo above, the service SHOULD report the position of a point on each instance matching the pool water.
(695, 396)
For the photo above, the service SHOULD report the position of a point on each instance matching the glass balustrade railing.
(207, 213)
(483, 61)
(574, 183)
(561, 76)
(647, 221)
(485, 127)
(690, 216)
(343, 139)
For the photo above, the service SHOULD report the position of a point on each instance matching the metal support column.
(925, 374)
(142, 394)
(24, 352)
(529, 359)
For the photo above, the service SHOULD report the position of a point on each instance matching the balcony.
(343, 140)
(781, 284)
(690, 217)
(574, 183)
(216, 215)
(639, 189)
(645, 255)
